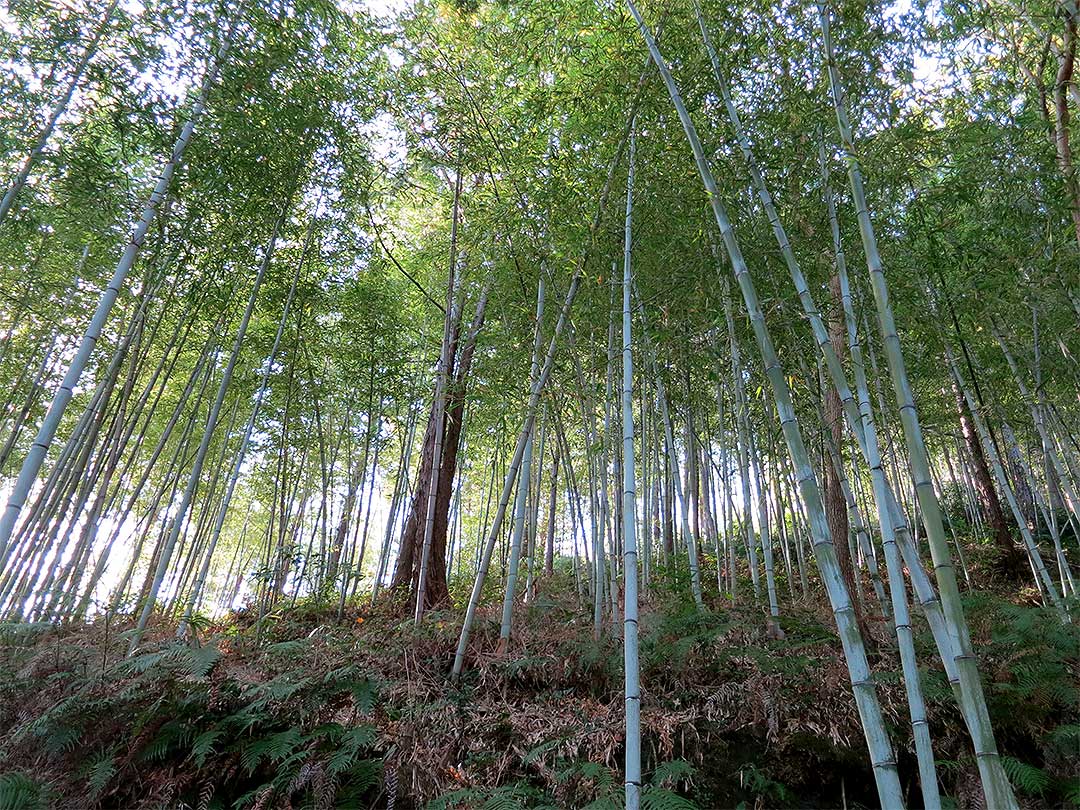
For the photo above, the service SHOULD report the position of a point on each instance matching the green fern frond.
(174, 734)
(289, 768)
(534, 754)
(62, 739)
(656, 798)
(672, 773)
(503, 799)
(507, 797)
(612, 800)
(329, 732)
(278, 689)
(340, 674)
(365, 693)
(275, 748)
(14, 633)
(204, 745)
(359, 736)
(287, 648)
(101, 773)
(761, 784)
(19, 792)
(252, 755)
(471, 798)
(652, 798)
(252, 796)
(454, 798)
(1066, 737)
(144, 661)
(597, 773)
(1072, 792)
(1028, 778)
(197, 661)
(340, 761)
(364, 774)
(349, 747)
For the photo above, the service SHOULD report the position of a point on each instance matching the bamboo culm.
(632, 691)
(31, 465)
(881, 754)
(204, 445)
(995, 783)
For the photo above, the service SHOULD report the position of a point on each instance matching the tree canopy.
(442, 306)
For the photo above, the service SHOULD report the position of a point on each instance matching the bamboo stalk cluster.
(167, 455)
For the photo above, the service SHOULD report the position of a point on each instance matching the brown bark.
(437, 592)
(549, 547)
(342, 531)
(835, 505)
(1010, 559)
(1063, 80)
(407, 573)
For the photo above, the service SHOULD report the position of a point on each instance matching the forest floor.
(361, 713)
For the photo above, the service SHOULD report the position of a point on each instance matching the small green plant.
(762, 786)
(516, 796)
(1026, 778)
(20, 792)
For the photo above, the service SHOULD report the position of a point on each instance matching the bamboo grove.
(452, 305)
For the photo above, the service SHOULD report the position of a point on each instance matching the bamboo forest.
(504, 404)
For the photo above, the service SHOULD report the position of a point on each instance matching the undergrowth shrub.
(1030, 664)
(174, 727)
(360, 713)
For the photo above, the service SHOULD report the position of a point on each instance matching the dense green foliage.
(318, 714)
(312, 324)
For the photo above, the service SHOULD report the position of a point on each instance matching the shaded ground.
(361, 713)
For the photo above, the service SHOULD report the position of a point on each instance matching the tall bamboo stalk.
(996, 785)
(676, 484)
(180, 517)
(35, 457)
(1042, 576)
(632, 691)
(241, 453)
(882, 758)
(58, 109)
(524, 480)
(534, 396)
